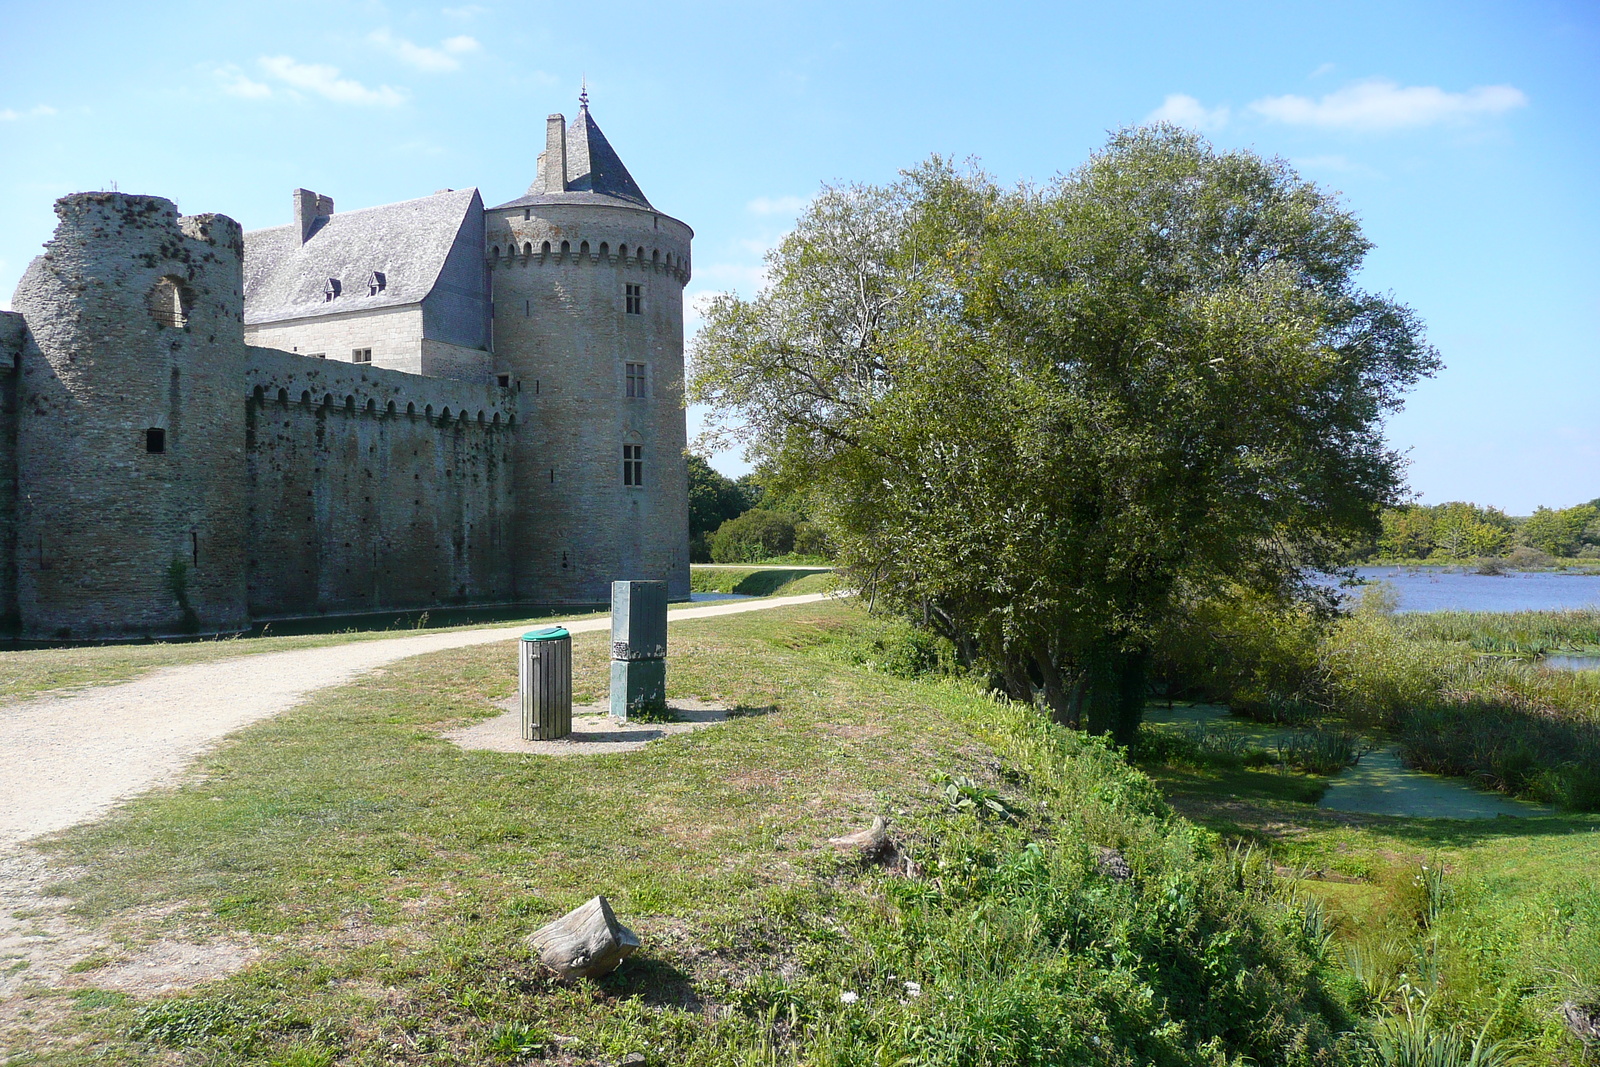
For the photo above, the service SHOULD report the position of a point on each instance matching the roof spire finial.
(583, 94)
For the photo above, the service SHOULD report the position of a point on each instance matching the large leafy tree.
(1043, 421)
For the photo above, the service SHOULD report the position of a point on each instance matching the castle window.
(331, 290)
(170, 302)
(527, 249)
(634, 373)
(316, 355)
(566, 249)
(544, 249)
(633, 465)
(504, 380)
(376, 282)
(361, 355)
(155, 440)
(527, 213)
(635, 294)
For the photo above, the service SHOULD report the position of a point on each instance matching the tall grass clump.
(1518, 633)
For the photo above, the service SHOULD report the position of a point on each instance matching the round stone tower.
(130, 433)
(587, 280)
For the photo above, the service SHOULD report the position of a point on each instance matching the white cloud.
(1380, 104)
(776, 205)
(433, 60)
(38, 111)
(324, 80)
(1184, 110)
(236, 83)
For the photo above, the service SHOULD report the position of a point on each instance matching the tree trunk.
(1114, 692)
(1056, 695)
(586, 942)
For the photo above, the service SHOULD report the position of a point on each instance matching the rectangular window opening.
(633, 465)
(635, 294)
(194, 547)
(155, 440)
(504, 380)
(361, 355)
(317, 355)
(634, 375)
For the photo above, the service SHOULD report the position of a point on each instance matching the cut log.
(872, 842)
(586, 942)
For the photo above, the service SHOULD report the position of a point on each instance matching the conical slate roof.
(595, 173)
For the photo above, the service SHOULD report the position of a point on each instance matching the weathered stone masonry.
(485, 406)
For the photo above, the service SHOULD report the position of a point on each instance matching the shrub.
(812, 540)
(756, 535)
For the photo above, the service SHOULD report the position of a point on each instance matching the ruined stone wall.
(130, 436)
(12, 335)
(372, 490)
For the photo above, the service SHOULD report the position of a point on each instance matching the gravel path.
(67, 759)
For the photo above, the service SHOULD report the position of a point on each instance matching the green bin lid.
(548, 633)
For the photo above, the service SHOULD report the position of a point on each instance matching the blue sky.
(1465, 135)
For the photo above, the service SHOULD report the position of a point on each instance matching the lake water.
(1378, 785)
(1437, 589)
(1572, 663)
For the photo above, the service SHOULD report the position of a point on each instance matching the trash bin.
(544, 680)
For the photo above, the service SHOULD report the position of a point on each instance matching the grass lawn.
(387, 879)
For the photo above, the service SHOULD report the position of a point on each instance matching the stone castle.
(422, 404)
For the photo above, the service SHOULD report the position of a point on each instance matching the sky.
(1465, 136)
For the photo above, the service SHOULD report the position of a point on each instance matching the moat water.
(1380, 784)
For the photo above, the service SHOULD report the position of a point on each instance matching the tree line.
(1459, 531)
(732, 520)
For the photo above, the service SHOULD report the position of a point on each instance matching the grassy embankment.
(761, 581)
(388, 879)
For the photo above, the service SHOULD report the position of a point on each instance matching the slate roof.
(595, 174)
(407, 242)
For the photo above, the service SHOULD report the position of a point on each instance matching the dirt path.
(68, 759)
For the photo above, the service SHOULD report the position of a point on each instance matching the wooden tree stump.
(586, 942)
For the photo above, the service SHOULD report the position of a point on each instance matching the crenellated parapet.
(673, 262)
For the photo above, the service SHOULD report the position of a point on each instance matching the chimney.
(555, 155)
(308, 208)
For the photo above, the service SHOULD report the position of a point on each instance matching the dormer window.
(330, 290)
(376, 283)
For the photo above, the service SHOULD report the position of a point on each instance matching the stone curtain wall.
(372, 490)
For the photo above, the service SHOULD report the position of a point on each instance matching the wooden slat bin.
(544, 680)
